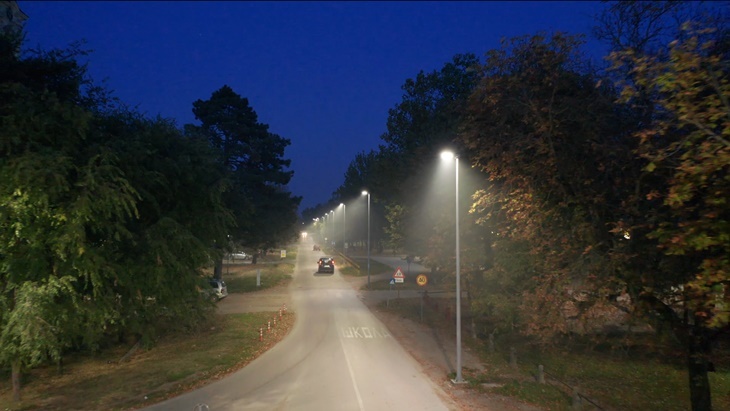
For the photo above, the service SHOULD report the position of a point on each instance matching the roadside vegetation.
(606, 372)
(177, 363)
(592, 193)
(125, 376)
(243, 279)
(110, 220)
(593, 203)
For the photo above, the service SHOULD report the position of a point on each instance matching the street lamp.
(344, 227)
(325, 224)
(333, 227)
(448, 155)
(365, 193)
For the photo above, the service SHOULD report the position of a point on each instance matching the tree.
(550, 141)
(418, 127)
(106, 218)
(686, 148)
(180, 215)
(60, 201)
(264, 210)
(425, 121)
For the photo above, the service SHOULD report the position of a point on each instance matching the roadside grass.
(243, 279)
(176, 364)
(613, 381)
(360, 270)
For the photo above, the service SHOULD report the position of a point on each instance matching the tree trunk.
(698, 353)
(15, 378)
(218, 270)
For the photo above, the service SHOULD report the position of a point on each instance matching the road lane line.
(352, 377)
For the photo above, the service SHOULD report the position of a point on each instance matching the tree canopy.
(108, 218)
(264, 210)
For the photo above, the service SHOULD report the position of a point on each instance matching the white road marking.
(352, 377)
(365, 332)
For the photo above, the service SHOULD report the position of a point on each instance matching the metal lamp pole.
(333, 226)
(368, 194)
(458, 379)
(344, 227)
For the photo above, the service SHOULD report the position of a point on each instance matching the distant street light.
(365, 193)
(333, 227)
(344, 227)
(448, 155)
(325, 222)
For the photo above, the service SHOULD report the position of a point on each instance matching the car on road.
(218, 288)
(326, 265)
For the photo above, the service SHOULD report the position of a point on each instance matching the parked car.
(326, 264)
(239, 255)
(218, 288)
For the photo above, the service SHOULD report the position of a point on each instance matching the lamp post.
(344, 227)
(365, 193)
(333, 227)
(447, 155)
(325, 224)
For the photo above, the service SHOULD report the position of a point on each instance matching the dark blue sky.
(322, 74)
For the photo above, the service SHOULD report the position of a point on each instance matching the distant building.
(11, 17)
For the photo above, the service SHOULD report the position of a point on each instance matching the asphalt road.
(338, 356)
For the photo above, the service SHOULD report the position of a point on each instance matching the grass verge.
(613, 381)
(243, 279)
(175, 365)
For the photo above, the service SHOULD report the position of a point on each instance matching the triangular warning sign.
(398, 273)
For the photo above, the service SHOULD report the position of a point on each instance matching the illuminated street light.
(365, 193)
(344, 227)
(325, 222)
(448, 155)
(333, 227)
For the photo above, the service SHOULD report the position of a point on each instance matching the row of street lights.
(446, 156)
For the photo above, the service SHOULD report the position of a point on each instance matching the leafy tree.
(105, 217)
(686, 148)
(422, 124)
(425, 122)
(363, 172)
(394, 231)
(643, 27)
(180, 215)
(550, 142)
(61, 200)
(264, 210)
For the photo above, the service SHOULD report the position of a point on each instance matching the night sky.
(321, 74)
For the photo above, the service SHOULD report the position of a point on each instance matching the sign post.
(422, 280)
(387, 302)
(399, 277)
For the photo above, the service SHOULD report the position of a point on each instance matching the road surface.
(338, 356)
